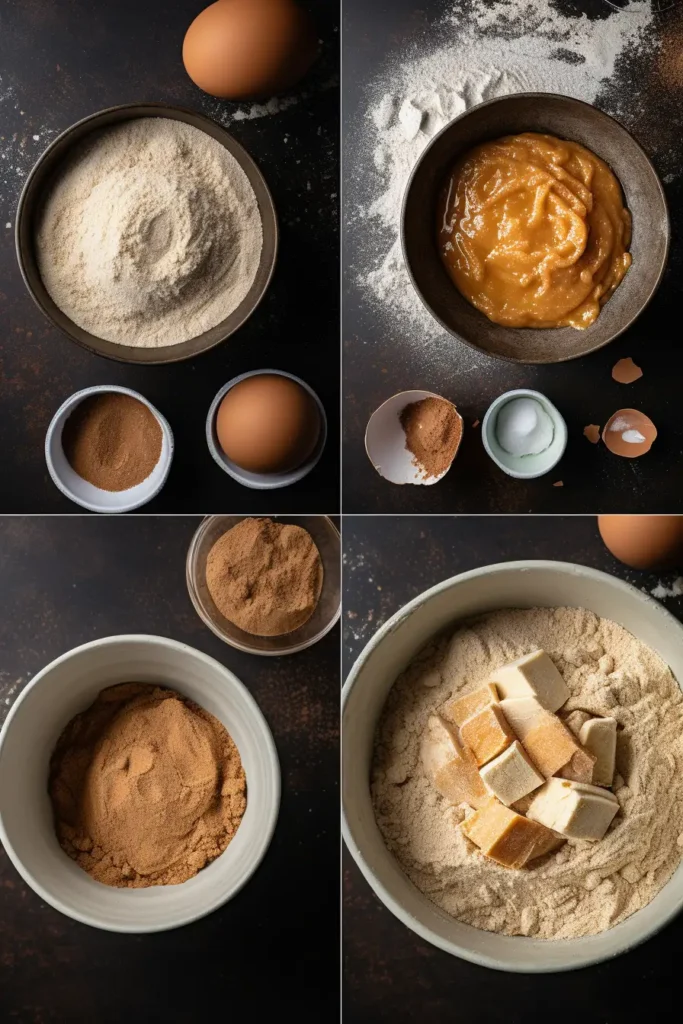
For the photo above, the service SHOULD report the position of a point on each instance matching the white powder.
(489, 50)
(675, 590)
(150, 235)
(584, 887)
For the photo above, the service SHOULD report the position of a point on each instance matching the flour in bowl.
(583, 888)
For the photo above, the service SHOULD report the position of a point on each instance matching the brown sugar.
(112, 440)
(146, 787)
(433, 430)
(265, 577)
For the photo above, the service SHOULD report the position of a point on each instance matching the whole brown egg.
(644, 542)
(268, 424)
(243, 49)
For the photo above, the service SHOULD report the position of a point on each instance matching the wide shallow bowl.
(69, 685)
(35, 189)
(263, 481)
(524, 584)
(565, 118)
(95, 499)
(327, 611)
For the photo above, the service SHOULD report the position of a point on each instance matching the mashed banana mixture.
(534, 232)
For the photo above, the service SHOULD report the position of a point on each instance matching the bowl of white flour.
(621, 654)
(146, 233)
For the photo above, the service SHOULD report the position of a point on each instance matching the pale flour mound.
(585, 887)
(150, 235)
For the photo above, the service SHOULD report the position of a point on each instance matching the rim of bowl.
(265, 481)
(75, 400)
(558, 420)
(197, 537)
(535, 96)
(254, 710)
(26, 210)
(364, 866)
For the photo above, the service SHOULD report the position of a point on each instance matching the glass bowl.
(327, 611)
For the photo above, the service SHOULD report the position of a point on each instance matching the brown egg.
(629, 433)
(644, 542)
(268, 424)
(242, 49)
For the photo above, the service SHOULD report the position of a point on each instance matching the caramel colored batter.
(534, 232)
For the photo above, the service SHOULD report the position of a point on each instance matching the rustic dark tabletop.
(68, 580)
(62, 61)
(390, 973)
(380, 360)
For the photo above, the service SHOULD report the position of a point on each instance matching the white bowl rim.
(267, 832)
(75, 399)
(374, 882)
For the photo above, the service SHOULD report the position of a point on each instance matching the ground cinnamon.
(265, 577)
(433, 431)
(112, 440)
(146, 787)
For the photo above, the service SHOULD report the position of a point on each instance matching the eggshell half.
(385, 441)
(629, 433)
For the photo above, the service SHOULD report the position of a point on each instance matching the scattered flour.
(675, 590)
(585, 887)
(487, 49)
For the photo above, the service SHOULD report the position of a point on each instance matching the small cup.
(385, 441)
(95, 499)
(263, 481)
(524, 467)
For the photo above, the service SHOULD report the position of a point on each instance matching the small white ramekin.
(79, 490)
(523, 584)
(524, 467)
(69, 685)
(263, 481)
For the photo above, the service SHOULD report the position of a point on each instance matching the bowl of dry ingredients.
(108, 449)
(139, 784)
(146, 233)
(620, 656)
(267, 586)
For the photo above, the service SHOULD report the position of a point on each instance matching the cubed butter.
(460, 709)
(507, 837)
(550, 744)
(574, 809)
(487, 733)
(599, 737)
(511, 775)
(534, 675)
(579, 768)
(521, 713)
(451, 767)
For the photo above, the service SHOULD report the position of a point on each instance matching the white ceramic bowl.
(79, 490)
(523, 584)
(263, 481)
(524, 467)
(69, 685)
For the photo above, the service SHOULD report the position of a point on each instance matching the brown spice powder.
(112, 440)
(265, 577)
(433, 432)
(146, 787)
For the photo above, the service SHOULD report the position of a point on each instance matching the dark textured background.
(275, 946)
(390, 973)
(381, 359)
(62, 61)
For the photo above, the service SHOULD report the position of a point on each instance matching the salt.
(523, 427)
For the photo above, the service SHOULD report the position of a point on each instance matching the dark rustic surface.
(275, 945)
(380, 360)
(390, 973)
(63, 61)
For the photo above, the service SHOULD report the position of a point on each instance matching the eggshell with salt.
(629, 433)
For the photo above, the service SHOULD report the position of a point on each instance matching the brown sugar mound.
(265, 577)
(433, 432)
(146, 787)
(112, 440)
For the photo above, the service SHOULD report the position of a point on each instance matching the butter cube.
(574, 809)
(550, 744)
(507, 837)
(487, 733)
(511, 775)
(451, 767)
(534, 675)
(599, 737)
(460, 709)
(580, 767)
(521, 713)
